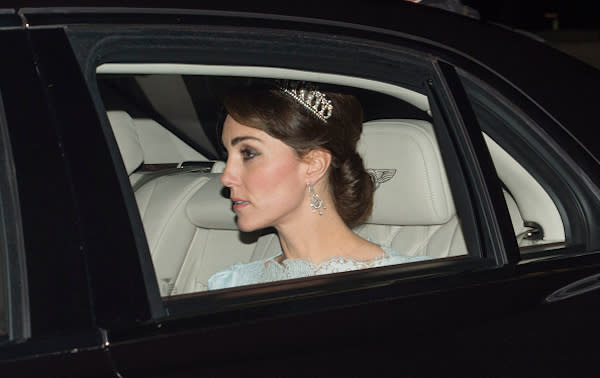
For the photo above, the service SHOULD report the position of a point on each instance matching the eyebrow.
(239, 139)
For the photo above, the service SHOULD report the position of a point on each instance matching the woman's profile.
(292, 164)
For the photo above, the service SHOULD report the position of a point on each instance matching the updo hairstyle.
(269, 109)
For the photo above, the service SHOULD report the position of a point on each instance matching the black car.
(481, 139)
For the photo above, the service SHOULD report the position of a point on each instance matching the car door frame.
(52, 324)
(201, 319)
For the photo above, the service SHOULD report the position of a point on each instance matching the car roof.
(565, 87)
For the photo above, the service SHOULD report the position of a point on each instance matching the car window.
(532, 204)
(174, 158)
(177, 205)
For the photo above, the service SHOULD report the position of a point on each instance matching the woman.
(292, 164)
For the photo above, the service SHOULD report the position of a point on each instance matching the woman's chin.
(247, 227)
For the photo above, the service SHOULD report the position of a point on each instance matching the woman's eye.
(248, 154)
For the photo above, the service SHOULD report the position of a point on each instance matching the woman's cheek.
(276, 175)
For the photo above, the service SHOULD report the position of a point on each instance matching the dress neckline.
(329, 260)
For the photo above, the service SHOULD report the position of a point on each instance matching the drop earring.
(316, 203)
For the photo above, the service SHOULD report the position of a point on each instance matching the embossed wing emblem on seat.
(381, 175)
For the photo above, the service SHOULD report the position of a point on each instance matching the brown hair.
(271, 110)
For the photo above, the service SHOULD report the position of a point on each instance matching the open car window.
(171, 151)
(163, 106)
(532, 196)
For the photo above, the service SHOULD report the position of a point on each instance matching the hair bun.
(353, 190)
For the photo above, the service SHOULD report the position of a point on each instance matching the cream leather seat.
(127, 140)
(413, 208)
(414, 212)
(161, 202)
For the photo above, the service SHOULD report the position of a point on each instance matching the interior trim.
(414, 98)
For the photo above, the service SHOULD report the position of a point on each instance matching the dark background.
(534, 14)
(572, 26)
(524, 14)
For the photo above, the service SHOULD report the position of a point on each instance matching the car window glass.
(173, 155)
(535, 217)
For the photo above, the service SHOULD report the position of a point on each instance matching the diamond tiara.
(313, 100)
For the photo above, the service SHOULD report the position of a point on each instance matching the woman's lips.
(238, 204)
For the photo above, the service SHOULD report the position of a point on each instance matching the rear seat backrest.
(127, 139)
(162, 204)
(162, 146)
(413, 211)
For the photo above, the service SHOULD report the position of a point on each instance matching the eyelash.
(248, 154)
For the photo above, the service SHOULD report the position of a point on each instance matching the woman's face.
(266, 177)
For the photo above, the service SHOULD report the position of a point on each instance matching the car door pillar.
(452, 107)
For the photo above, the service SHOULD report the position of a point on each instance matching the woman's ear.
(317, 163)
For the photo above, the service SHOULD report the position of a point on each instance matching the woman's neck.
(323, 237)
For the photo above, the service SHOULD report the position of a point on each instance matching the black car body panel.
(448, 31)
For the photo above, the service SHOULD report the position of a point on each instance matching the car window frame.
(136, 293)
(53, 283)
(553, 166)
(454, 107)
(105, 51)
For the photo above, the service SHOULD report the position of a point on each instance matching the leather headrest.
(412, 184)
(127, 139)
(209, 208)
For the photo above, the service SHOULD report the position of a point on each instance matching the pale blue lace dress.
(268, 270)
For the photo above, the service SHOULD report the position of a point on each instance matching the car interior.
(166, 118)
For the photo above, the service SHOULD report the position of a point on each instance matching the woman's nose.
(228, 178)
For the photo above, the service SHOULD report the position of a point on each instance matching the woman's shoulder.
(239, 274)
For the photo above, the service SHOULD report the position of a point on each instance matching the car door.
(468, 305)
(53, 320)
(555, 280)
